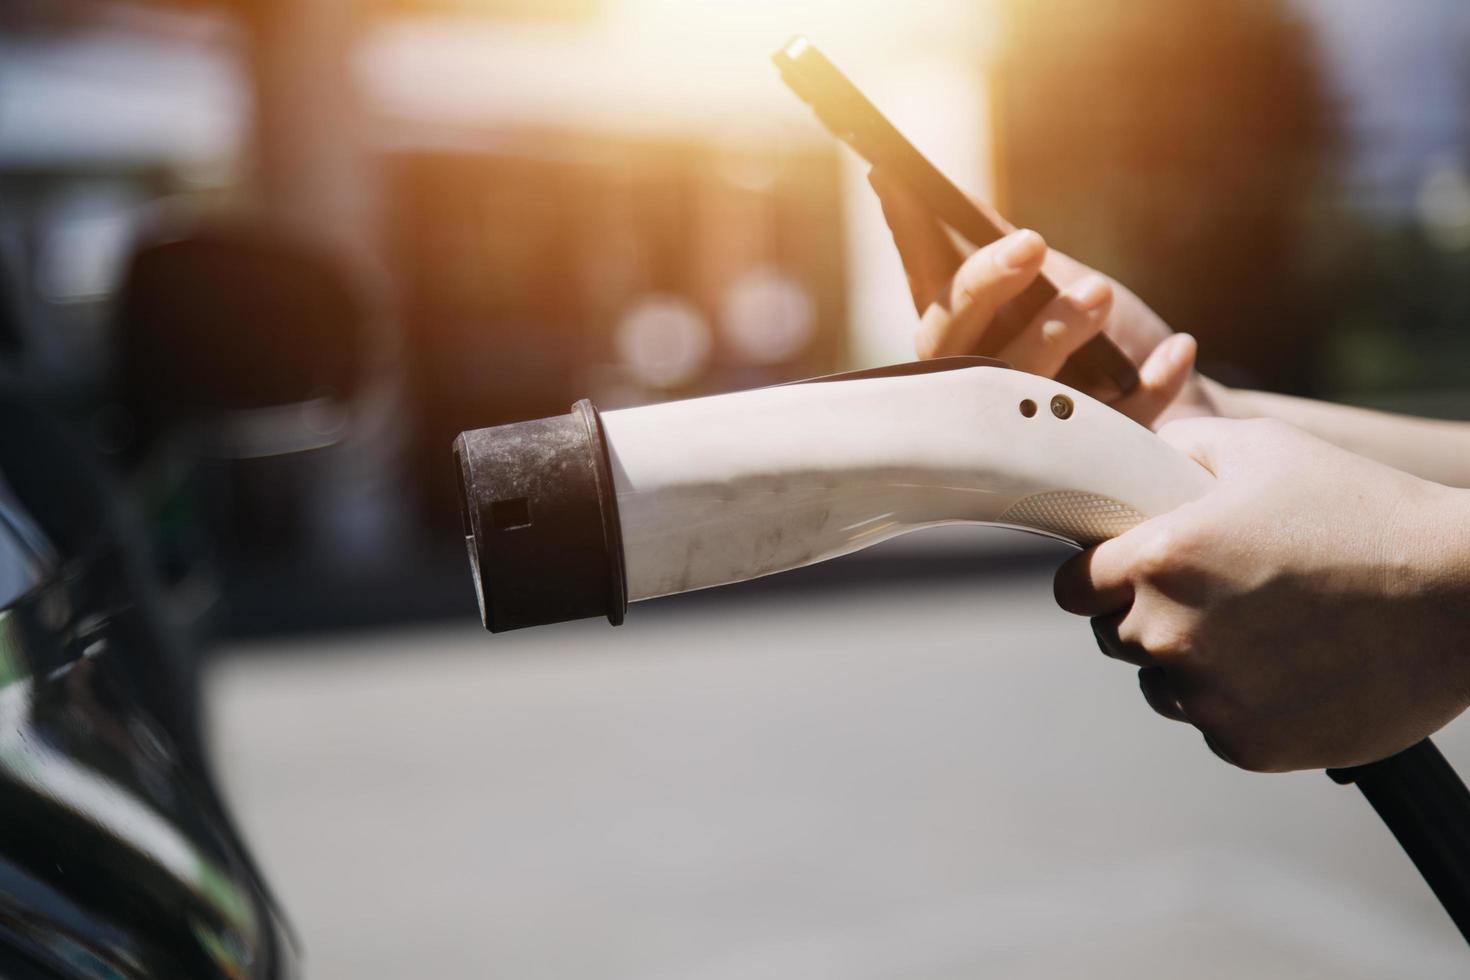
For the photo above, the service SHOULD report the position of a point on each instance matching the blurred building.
(535, 202)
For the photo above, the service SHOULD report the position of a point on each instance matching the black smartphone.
(1098, 367)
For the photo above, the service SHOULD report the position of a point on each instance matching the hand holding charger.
(576, 516)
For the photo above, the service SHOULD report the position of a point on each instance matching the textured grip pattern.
(1085, 518)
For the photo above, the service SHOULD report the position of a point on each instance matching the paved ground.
(938, 779)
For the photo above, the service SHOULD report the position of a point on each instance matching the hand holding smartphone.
(1098, 366)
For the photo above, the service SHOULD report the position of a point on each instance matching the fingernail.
(1021, 248)
(1089, 293)
(1184, 346)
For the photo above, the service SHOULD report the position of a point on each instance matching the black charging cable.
(1421, 798)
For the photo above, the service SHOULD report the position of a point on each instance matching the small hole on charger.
(1028, 408)
(1061, 406)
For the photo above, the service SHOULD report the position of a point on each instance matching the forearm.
(1432, 449)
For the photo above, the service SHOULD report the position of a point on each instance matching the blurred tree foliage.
(1404, 319)
(1194, 152)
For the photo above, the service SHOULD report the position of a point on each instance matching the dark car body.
(117, 856)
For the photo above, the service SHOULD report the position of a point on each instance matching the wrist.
(1443, 531)
(1202, 396)
(1218, 399)
(1433, 552)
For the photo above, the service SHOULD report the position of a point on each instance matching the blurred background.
(267, 257)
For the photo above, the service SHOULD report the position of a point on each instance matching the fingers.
(1154, 684)
(1096, 582)
(1202, 439)
(1105, 629)
(964, 309)
(1068, 322)
(1153, 681)
(958, 299)
(930, 257)
(1160, 380)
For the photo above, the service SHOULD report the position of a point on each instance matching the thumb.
(1160, 380)
(930, 257)
(1208, 441)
